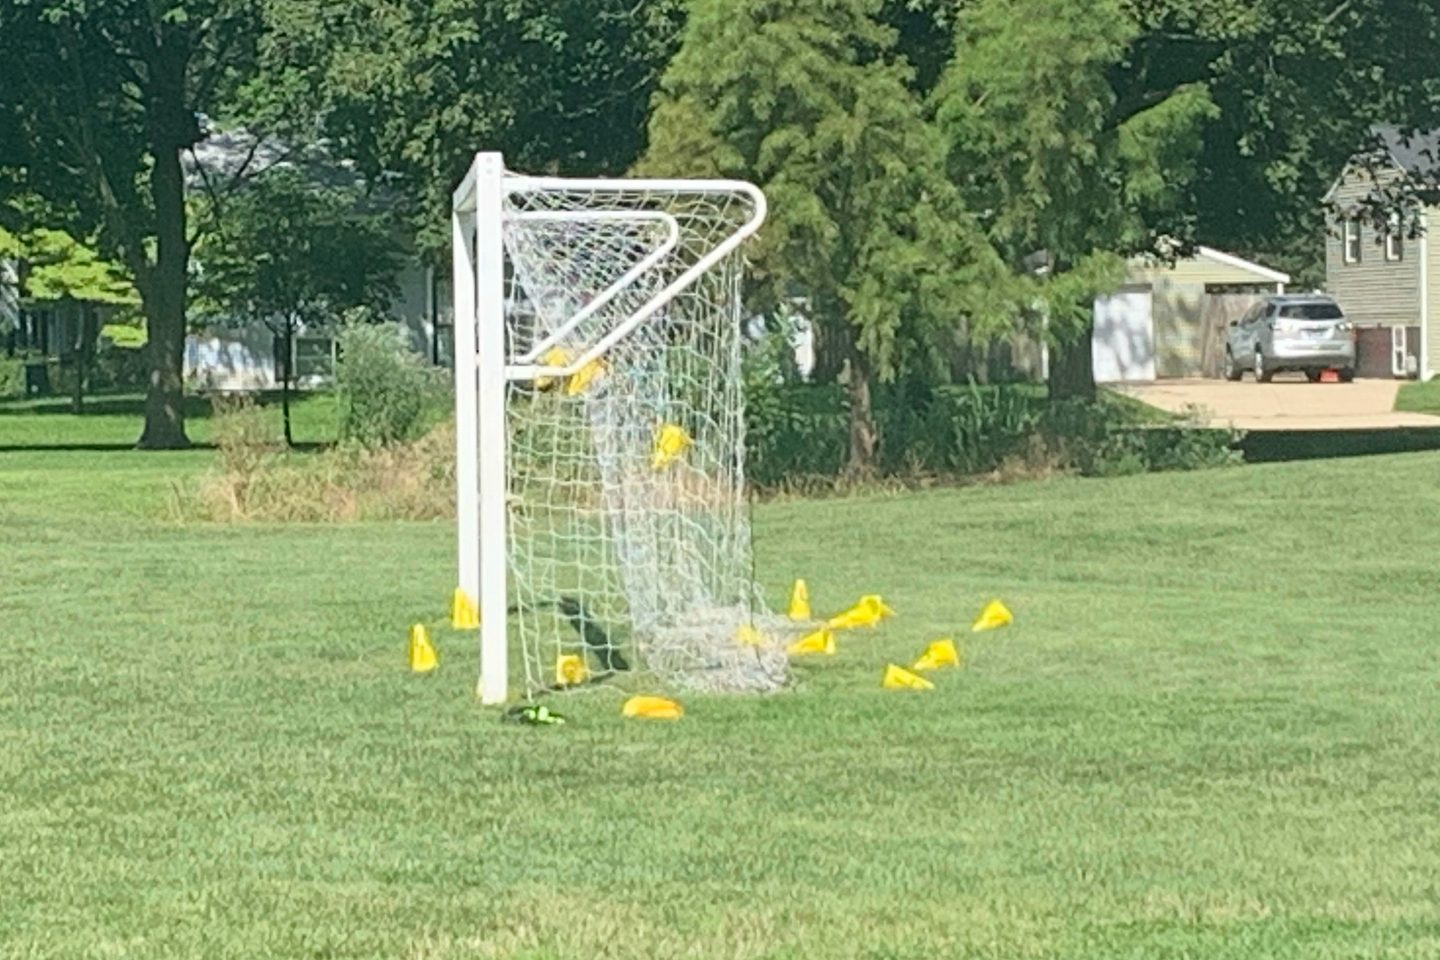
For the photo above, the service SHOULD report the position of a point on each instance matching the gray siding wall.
(1375, 290)
(1432, 217)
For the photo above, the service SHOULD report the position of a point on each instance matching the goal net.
(627, 542)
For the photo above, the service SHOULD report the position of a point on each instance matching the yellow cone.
(748, 636)
(995, 614)
(419, 651)
(940, 653)
(821, 641)
(583, 377)
(799, 601)
(671, 442)
(464, 615)
(570, 669)
(554, 357)
(652, 708)
(867, 612)
(898, 678)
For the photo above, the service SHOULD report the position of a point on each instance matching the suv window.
(1312, 311)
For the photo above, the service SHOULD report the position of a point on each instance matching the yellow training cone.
(464, 615)
(898, 678)
(570, 669)
(821, 641)
(799, 601)
(583, 377)
(671, 442)
(941, 653)
(652, 708)
(748, 636)
(554, 357)
(868, 611)
(995, 614)
(419, 651)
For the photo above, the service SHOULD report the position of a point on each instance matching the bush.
(12, 377)
(258, 479)
(798, 435)
(387, 394)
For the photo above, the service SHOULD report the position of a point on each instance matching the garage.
(1167, 321)
(1123, 347)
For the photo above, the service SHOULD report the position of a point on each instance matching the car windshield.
(1311, 311)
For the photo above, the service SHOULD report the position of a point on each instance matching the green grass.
(1419, 397)
(117, 419)
(1211, 733)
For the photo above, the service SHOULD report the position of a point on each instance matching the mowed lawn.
(1213, 732)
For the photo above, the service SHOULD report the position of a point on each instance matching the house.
(1168, 318)
(233, 357)
(1385, 274)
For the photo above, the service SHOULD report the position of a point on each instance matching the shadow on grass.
(112, 405)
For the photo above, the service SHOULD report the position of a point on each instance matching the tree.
(294, 254)
(810, 100)
(98, 103)
(1217, 119)
(1072, 178)
(58, 268)
(410, 91)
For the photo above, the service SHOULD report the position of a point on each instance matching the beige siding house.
(1387, 282)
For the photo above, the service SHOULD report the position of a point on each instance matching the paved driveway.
(1289, 403)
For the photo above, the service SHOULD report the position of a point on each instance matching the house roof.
(1417, 153)
(1240, 263)
(1414, 153)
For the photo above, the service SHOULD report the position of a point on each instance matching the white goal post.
(600, 428)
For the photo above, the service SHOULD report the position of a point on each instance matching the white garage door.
(1123, 347)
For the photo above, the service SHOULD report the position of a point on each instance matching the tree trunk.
(163, 296)
(1072, 367)
(286, 362)
(863, 435)
(84, 355)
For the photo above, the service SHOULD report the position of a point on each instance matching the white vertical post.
(489, 173)
(467, 493)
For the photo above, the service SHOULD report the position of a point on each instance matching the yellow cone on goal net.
(898, 678)
(583, 378)
(464, 615)
(995, 614)
(570, 669)
(652, 708)
(799, 601)
(940, 653)
(822, 641)
(671, 442)
(554, 357)
(867, 612)
(747, 635)
(419, 651)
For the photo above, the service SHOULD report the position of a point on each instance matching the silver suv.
(1291, 332)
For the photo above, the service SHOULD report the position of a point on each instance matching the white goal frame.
(482, 371)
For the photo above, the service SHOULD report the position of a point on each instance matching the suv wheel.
(1232, 367)
(1262, 375)
(1313, 375)
(1347, 374)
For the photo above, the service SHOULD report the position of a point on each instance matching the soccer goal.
(603, 523)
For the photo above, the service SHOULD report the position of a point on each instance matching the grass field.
(115, 420)
(1211, 733)
(1419, 397)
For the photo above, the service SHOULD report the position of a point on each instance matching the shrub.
(386, 393)
(12, 377)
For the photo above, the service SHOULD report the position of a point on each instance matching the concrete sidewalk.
(1290, 403)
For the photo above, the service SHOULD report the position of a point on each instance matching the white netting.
(629, 528)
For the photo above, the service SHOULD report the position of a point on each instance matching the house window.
(1352, 241)
(1394, 239)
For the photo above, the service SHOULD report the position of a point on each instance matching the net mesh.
(629, 539)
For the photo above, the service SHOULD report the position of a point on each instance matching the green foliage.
(291, 251)
(386, 391)
(796, 434)
(59, 267)
(12, 377)
(415, 89)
